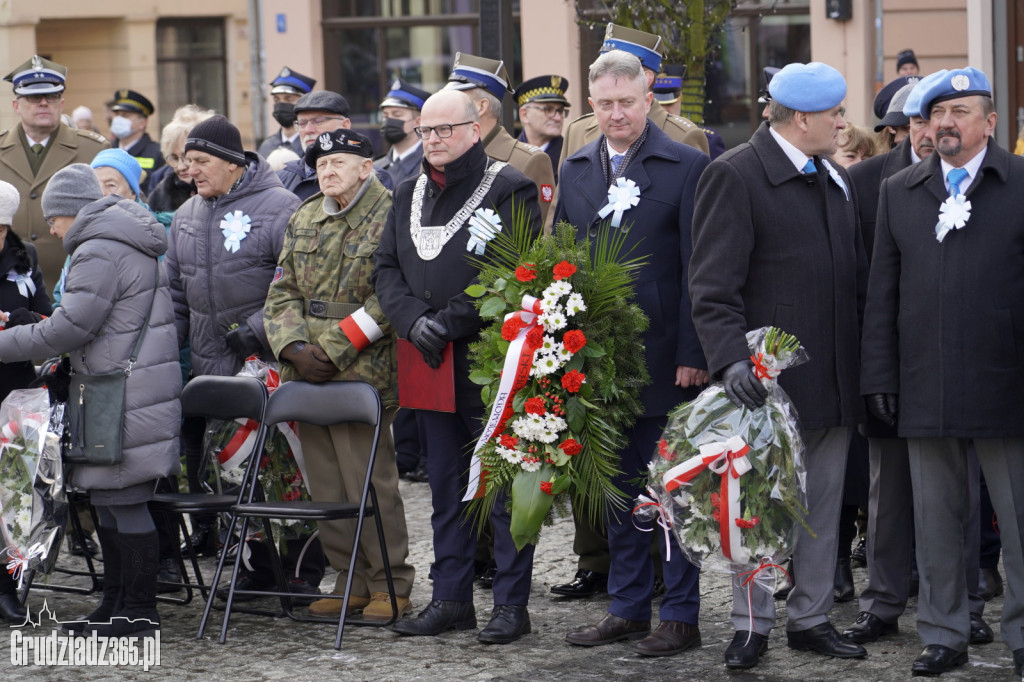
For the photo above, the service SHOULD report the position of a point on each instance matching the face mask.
(121, 127)
(393, 130)
(284, 113)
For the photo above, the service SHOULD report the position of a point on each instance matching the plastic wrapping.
(32, 496)
(729, 481)
(229, 445)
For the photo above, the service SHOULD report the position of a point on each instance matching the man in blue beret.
(776, 242)
(941, 351)
(890, 502)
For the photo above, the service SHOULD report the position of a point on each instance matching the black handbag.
(95, 410)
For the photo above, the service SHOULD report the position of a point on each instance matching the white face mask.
(121, 127)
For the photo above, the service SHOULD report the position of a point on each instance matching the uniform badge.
(325, 142)
(278, 274)
(960, 82)
(547, 193)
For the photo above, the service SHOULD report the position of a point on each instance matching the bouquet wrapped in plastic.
(282, 472)
(32, 496)
(729, 481)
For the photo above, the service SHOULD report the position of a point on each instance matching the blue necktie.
(809, 167)
(616, 160)
(955, 177)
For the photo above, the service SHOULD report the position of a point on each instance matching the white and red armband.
(361, 329)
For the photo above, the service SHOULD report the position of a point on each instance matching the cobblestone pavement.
(260, 648)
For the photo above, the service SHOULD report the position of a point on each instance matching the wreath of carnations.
(560, 367)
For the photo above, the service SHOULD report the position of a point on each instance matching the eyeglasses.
(443, 131)
(174, 159)
(51, 98)
(317, 121)
(549, 109)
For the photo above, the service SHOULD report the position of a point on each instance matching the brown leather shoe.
(671, 637)
(609, 629)
(332, 607)
(379, 608)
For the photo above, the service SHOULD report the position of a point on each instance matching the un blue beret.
(955, 84)
(913, 103)
(808, 87)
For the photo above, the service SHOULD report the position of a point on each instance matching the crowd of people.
(319, 255)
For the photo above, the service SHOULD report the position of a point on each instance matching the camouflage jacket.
(328, 259)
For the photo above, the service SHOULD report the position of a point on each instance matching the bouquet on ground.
(729, 481)
(281, 470)
(561, 367)
(32, 497)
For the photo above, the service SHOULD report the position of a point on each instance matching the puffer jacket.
(215, 289)
(114, 244)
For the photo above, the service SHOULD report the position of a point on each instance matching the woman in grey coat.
(112, 283)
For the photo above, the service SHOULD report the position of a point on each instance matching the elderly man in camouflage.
(324, 323)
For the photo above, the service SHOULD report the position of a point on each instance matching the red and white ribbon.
(361, 329)
(514, 375)
(729, 460)
(17, 563)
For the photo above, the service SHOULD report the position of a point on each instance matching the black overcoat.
(944, 323)
(772, 246)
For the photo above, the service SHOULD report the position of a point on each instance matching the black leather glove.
(243, 341)
(428, 335)
(742, 386)
(22, 316)
(311, 361)
(883, 406)
(55, 375)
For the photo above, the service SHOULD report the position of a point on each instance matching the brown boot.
(379, 608)
(332, 607)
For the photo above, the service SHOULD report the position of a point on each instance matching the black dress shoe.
(86, 546)
(168, 576)
(486, 577)
(859, 554)
(609, 629)
(508, 623)
(936, 659)
(745, 650)
(247, 581)
(308, 592)
(981, 633)
(11, 609)
(204, 539)
(585, 584)
(990, 583)
(868, 628)
(671, 637)
(1018, 661)
(825, 640)
(438, 617)
(417, 475)
(844, 581)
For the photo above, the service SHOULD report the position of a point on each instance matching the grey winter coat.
(114, 244)
(214, 288)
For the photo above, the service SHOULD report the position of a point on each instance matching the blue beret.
(912, 107)
(954, 84)
(808, 87)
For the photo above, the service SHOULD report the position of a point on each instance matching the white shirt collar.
(972, 167)
(396, 157)
(914, 158)
(612, 152)
(31, 142)
(288, 140)
(795, 156)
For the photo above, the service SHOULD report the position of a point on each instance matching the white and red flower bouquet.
(560, 367)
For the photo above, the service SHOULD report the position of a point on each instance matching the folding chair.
(212, 397)
(326, 404)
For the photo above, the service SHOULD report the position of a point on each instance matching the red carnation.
(570, 447)
(574, 340)
(573, 380)
(508, 441)
(535, 406)
(526, 272)
(748, 523)
(510, 330)
(545, 487)
(535, 338)
(564, 270)
(664, 451)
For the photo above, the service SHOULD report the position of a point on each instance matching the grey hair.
(618, 64)
(779, 114)
(493, 105)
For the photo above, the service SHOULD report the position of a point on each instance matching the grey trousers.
(814, 558)
(942, 509)
(890, 531)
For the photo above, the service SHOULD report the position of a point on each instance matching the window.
(191, 65)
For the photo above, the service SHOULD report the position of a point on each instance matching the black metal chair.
(324, 404)
(212, 397)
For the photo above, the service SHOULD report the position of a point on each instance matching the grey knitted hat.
(70, 190)
(9, 201)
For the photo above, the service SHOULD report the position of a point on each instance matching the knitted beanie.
(9, 201)
(124, 163)
(218, 137)
(70, 190)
